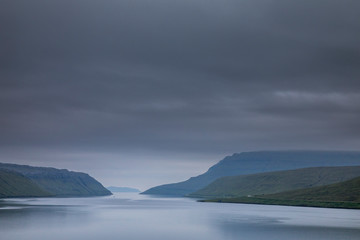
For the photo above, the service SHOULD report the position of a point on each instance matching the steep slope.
(257, 162)
(13, 184)
(60, 182)
(274, 182)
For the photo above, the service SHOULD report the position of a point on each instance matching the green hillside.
(258, 162)
(339, 195)
(275, 182)
(16, 185)
(348, 191)
(65, 184)
(59, 182)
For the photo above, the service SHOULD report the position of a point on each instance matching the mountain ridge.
(278, 181)
(256, 162)
(59, 182)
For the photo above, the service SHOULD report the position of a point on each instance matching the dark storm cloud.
(217, 76)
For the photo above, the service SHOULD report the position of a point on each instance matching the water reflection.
(133, 216)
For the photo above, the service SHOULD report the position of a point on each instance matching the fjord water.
(132, 216)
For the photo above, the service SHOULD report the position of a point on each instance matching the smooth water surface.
(135, 217)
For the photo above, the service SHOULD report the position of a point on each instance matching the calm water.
(133, 217)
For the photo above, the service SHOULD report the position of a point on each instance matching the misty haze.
(179, 119)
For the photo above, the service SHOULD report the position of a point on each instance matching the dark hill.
(59, 182)
(339, 195)
(348, 191)
(14, 184)
(275, 182)
(257, 162)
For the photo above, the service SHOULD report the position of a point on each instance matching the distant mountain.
(339, 195)
(14, 184)
(57, 182)
(122, 189)
(275, 182)
(257, 162)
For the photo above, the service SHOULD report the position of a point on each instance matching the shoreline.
(283, 202)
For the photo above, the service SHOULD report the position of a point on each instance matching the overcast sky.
(139, 92)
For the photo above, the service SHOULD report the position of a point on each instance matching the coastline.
(283, 202)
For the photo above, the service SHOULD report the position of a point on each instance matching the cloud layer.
(181, 77)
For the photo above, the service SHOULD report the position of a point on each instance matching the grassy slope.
(339, 195)
(70, 184)
(257, 162)
(16, 185)
(348, 191)
(274, 182)
(60, 182)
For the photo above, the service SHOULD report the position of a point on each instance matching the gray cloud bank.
(179, 76)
